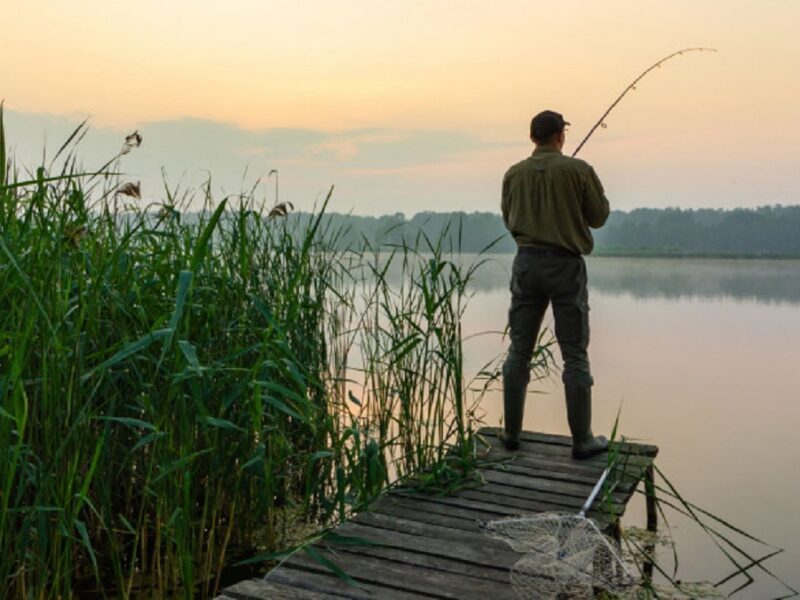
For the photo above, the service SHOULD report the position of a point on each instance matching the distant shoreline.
(600, 253)
(665, 254)
(768, 232)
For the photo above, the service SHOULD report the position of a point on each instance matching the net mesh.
(564, 556)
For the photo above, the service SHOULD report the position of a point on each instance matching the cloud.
(381, 169)
(201, 144)
(204, 140)
(388, 149)
(372, 167)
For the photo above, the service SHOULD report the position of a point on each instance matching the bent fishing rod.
(631, 87)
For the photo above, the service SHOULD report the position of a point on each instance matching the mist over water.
(758, 280)
(701, 357)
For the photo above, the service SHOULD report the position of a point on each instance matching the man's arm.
(595, 205)
(505, 200)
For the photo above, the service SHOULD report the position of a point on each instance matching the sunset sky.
(414, 105)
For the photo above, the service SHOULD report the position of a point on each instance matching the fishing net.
(564, 555)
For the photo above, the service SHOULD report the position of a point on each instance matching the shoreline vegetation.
(742, 233)
(179, 395)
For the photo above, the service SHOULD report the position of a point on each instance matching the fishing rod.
(632, 86)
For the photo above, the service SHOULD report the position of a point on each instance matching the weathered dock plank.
(312, 580)
(427, 546)
(260, 588)
(405, 577)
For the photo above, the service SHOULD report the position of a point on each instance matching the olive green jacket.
(552, 200)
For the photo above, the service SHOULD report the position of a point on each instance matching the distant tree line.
(763, 231)
(469, 232)
(767, 230)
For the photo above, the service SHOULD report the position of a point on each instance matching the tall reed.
(180, 390)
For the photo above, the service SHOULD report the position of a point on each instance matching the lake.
(700, 355)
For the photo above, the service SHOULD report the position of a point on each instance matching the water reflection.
(767, 281)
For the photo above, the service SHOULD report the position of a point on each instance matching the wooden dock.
(432, 547)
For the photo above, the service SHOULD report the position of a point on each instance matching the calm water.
(702, 356)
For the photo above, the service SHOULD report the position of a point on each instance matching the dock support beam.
(652, 520)
(650, 491)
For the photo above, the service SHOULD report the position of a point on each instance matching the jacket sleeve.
(505, 200)
(595, 204)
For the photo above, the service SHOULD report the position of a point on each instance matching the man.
(549, 203)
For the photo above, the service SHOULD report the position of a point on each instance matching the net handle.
(595, 491)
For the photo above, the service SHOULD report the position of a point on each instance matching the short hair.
(546, 126)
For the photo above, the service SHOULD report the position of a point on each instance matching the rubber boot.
(514, 389)
(579, 416)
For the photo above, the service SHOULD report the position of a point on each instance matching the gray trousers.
(539, 278)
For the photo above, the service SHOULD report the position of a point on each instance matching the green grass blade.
(129, 422)
(3, 166)
(80, 526)
(176, 465)
(201, 246)
(130, 349)
(26, 280)
(222, 424)
(331, 566)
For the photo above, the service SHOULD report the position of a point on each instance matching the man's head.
(547, 129)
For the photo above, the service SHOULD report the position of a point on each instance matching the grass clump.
(180, 390)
